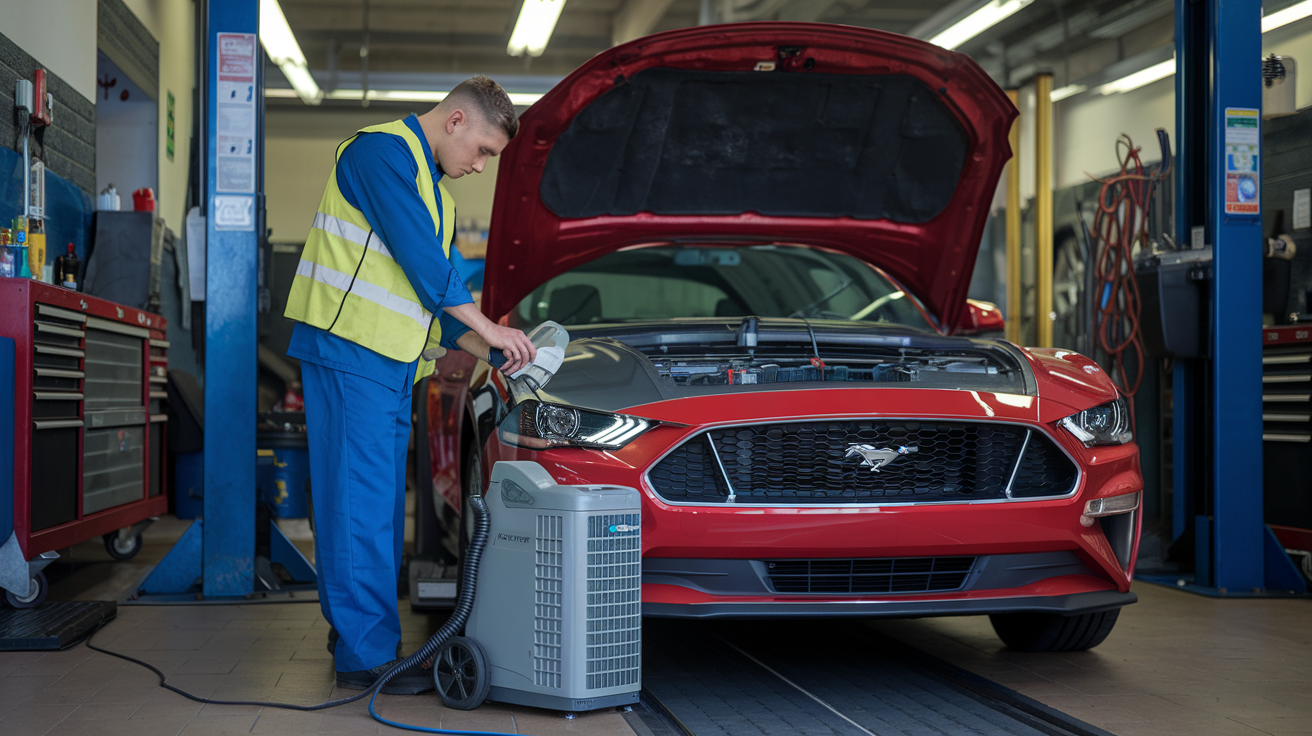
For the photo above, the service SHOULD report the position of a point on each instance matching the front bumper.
(744, 532)
(1066, 605)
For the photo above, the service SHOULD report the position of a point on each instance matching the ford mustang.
(760, 242)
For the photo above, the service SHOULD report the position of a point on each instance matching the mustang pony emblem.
(878, 457)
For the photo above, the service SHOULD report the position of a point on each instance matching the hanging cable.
(1120, 225)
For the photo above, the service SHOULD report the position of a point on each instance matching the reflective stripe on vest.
(348, 282)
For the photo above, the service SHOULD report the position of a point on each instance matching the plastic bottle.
(20, 255)
(66, 268)
(6, 255)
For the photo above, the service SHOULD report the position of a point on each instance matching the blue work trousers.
(358, 430)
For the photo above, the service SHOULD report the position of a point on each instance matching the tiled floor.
(1176, 664)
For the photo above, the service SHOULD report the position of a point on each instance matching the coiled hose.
(452, 627)
(1121, 222)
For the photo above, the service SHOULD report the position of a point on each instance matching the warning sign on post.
(1243, 139)
(235, 105)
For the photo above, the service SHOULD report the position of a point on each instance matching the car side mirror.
(980, 318)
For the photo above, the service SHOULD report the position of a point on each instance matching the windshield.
(671, 282)
(680, 281)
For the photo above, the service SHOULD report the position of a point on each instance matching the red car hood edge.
(529, 244)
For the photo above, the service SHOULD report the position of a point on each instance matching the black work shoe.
(410, 682)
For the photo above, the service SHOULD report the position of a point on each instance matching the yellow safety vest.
(347, 282)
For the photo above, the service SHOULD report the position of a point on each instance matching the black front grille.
(811, 462)
(890, 575)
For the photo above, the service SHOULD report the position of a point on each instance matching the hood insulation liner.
(678, 142)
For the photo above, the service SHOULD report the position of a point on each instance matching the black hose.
(453, 625)
(464, 601)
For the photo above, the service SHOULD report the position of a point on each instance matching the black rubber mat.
(53, 625)
(823, 677)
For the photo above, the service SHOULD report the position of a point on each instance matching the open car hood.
(866, 142)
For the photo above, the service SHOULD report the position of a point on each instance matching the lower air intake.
(887, 575)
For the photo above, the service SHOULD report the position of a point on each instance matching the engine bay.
(749, 370)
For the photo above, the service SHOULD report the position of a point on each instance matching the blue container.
(287, 493)
(189, 485)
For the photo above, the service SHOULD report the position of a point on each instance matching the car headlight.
(1108, 424)
(537, 425)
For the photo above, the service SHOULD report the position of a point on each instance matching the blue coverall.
(357, 407)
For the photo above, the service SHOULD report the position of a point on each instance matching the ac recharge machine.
(557, 619)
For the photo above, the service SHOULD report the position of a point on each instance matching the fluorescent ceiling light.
(1156, 72)
(280, 44)
(522, 99)
(1069, 90)
(537, 19)
(1287, 16)
(974, 24)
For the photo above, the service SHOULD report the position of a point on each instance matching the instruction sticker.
(234, 212)
(1243, 139)
(234, 169)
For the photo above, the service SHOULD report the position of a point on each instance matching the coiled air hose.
(1120, 224)
(452, 627)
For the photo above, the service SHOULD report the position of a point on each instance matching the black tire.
(1051, 632)
(460, 674)
(122, 551)
(37, 590)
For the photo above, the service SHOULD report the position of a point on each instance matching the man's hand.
(514, 343)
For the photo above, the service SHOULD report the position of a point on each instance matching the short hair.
(491, 100)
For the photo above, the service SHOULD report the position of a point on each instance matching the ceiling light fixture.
(522, 99)
(1284, 17)
(1156, 72)
(280, 44)
(1069, 90)
(537, 19)
(974, 24)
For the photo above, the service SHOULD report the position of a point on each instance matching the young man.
(372, 277)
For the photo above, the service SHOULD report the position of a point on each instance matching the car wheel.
(120, 549)
(35, 596)
(1052, 632)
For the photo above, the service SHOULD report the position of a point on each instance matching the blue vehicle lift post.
(219, 548)
(1218, 401)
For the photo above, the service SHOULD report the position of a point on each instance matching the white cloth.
(549, 359)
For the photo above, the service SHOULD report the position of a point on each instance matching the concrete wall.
(172, 23)
(60, 34)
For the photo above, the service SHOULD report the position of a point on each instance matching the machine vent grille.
(888, 575)
(549, 556)
(614, 600)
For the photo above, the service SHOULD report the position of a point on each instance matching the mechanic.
(375, 270)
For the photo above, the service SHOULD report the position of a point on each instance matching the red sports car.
(760, 239)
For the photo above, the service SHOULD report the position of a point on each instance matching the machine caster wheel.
(120, 550)
(36, 593)
(461, 674)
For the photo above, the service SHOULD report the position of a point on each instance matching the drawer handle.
(57, 423)
(159, 394)
(56, 330)
(1284, 437)
(53, 396)
(59, 373)
(159, 418)
(52, 350)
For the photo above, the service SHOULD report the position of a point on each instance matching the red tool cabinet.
(89, 417)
